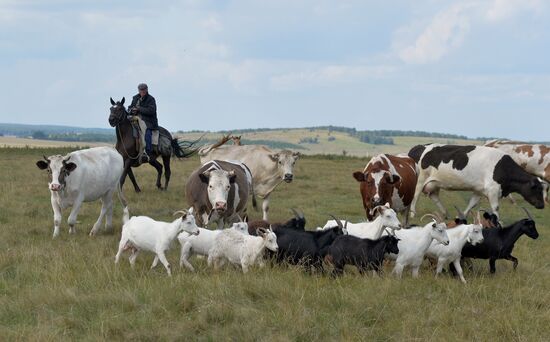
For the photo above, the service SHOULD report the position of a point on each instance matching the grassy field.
(69, 288)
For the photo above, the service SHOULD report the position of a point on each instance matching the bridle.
(119, 117)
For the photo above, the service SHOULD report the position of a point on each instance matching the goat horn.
(182, 212)
(460, 213)
(340, 225)
(434, 217)
(528, 214)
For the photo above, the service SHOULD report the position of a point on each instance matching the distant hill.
(334, 140)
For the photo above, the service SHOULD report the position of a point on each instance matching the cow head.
(533, 192)
(219, 183)
(376, 188)
(118, 112)
(285, 163)
(59, 168)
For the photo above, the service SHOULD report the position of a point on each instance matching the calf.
(451, 253)
(241, 249)
(144, 233)
(483, 170)
(498, 243)
(202, 244)
(84, 176)
(218, 191)
(365, 254)
(387, 179)
(386, 218)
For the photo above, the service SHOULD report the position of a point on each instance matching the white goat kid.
(414, 243)
(387, 218)
(144, 233)
(202, 244)
(240, 249)
(458, 236)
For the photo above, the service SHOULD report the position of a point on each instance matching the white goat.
(451, 253)
(144, 233)
(413, 244)
(202, 243)
(240, 249)
(387, 218)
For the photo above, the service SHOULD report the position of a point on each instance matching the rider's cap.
(142, 86)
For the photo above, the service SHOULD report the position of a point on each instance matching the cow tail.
(124, 202)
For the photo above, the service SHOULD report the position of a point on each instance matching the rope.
(119, 135)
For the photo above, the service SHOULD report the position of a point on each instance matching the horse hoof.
(138, 190)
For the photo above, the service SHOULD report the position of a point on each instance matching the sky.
(477, 68)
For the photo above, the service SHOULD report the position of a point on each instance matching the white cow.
(268, 168)
(84, 176)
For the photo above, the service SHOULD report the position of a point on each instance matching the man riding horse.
(144, 111)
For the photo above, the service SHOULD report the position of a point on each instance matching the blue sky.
(479, 68)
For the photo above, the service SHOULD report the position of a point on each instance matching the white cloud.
(445, 32)
(503, 9)
(212, 23)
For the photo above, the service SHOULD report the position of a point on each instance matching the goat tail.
(124, 202)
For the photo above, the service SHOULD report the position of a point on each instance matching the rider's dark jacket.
(147, 109)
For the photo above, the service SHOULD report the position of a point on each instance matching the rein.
(119, 136)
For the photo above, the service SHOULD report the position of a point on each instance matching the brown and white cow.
(388, 179)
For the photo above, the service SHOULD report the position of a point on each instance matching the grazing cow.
(533, 158)
(498, 243)
(388, 179)
(84, 176)
(268, 168)
(218, 191)
(483, 170)
(298, 222)
(365, 254)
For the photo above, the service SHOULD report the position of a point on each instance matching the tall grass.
(69, 288)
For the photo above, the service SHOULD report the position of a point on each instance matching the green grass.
(69, 288)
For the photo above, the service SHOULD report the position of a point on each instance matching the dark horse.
(126, 145)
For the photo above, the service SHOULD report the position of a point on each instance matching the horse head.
(118, 112)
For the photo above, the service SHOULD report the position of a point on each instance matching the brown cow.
(218, 191)
(388, 179)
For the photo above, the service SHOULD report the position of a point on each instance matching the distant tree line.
(80, 137)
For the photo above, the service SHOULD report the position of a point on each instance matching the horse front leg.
(133, 179)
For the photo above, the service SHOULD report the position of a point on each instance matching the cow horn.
(528, 214)
(66, 159)
(434, 217)
(338, 222)
(46, 158)
(460, 213)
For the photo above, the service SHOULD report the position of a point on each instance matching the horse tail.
(184, 149)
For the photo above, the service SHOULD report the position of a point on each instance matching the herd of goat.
(218, 191)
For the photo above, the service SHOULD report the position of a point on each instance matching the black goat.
(298, 222)
(305, 247)
(498, 243)
(365, 254)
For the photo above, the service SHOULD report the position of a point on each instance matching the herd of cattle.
(231, 176)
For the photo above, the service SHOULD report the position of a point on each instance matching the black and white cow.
(84, 176)
(483, 170)
(218, 191)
